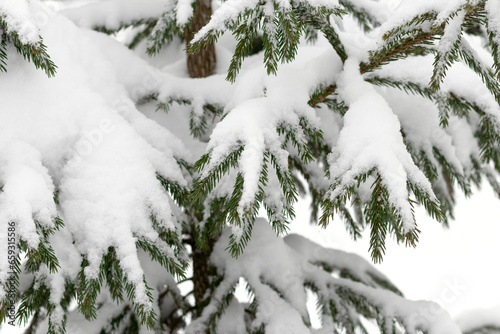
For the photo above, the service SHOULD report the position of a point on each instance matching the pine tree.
(125, 178)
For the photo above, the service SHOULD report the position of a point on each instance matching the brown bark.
(202, 273)
(200, 64)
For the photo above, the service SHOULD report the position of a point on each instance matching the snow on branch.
(282, 23)
(370, 141)
(83, 155)
(19, 27)
(112, 15)
(252, 138)
(348, 288)
(93, 186)
(17, 18)
(447, 48)
(493, 28)
(480, 321)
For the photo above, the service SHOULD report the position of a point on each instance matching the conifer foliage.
(123, 180)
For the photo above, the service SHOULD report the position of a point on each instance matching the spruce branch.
(365, 19)
(489, 139)
(493, 39)
(34, 298)
(379, 212)
(245, 36)
(447, 101)
(281, 32)
(35, 53)
(116, 321)
(397, 49)
(163, 31)
(320, 22)
(403, 39)
(202, 187)
(470, 58)
(145, 31)
(447, 49)
(321, 94)
(179, 193)
(3, 55)
(111, 272)
(230, 209)
(144, 24)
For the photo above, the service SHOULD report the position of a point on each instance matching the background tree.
(126, 177)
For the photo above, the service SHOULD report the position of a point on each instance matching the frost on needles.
(126, 178)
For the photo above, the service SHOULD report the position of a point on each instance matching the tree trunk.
(200, 64)
(202, 273)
